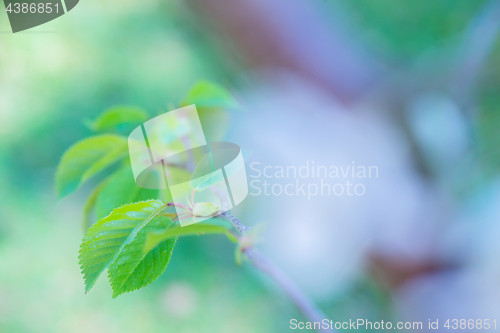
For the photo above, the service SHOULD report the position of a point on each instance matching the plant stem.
(180, 205)
(242, 229)
(265, 265)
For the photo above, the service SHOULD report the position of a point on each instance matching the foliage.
(135, 232)
(87, 158)
(120, 189)
(116, 242)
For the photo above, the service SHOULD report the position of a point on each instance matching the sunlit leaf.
(135, 268)
(116, 242)
(86, 158)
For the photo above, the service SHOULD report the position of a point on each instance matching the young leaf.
(135, 268)
(121, 189)
(90, 204)
(106, 239)
(86, 158)
(119, 118)
(155, 238)
(208, 94)
(204, 209)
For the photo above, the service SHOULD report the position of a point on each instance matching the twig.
(265, 265)
(180, 205)
(261, 262)
(242, 229)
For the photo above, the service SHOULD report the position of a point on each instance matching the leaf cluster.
(135, 230)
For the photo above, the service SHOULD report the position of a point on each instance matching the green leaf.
(208, 94)
(155, 238)
(86, 158)
(134, 268)
(121, 189)
(119, 118)
(106, 245)
(205, 209)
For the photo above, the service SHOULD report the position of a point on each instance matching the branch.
(242, 229)
(261, 262)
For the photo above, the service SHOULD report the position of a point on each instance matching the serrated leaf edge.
(127, 241)
(156, 278)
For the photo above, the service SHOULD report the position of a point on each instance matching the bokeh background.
(411, 87)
